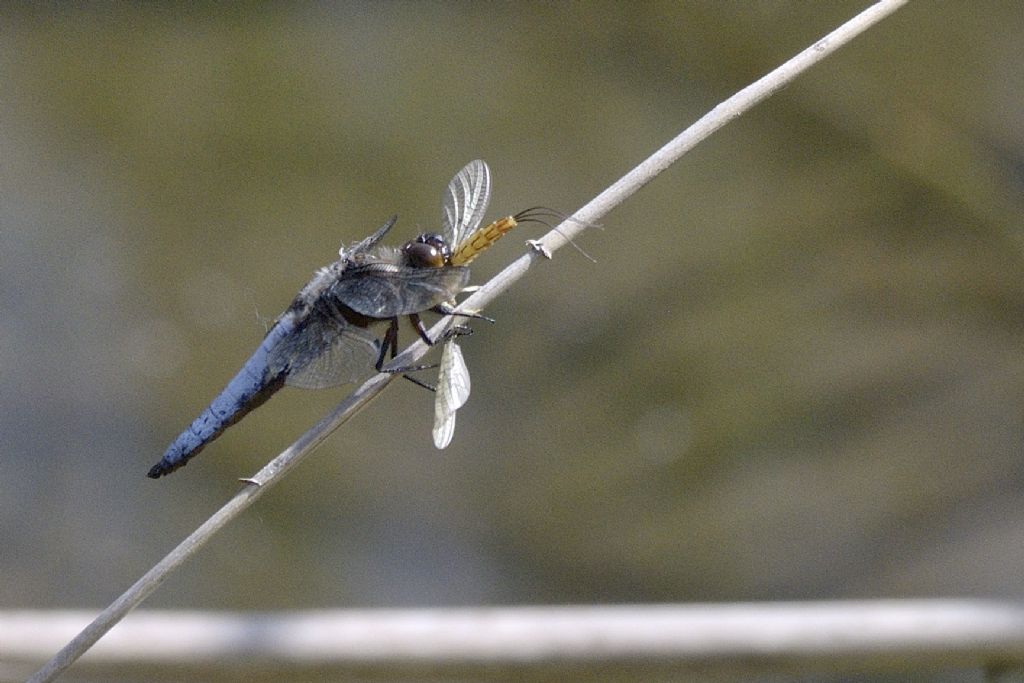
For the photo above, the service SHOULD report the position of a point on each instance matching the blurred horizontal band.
(719, 638)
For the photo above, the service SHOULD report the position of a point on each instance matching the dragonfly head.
(429, 250)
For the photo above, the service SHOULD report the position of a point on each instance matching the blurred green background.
(795, 372)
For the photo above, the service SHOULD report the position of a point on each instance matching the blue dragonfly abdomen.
(251, 387)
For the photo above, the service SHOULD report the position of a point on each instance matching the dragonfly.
(325, 338)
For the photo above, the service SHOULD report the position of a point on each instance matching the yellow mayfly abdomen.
(481, 238)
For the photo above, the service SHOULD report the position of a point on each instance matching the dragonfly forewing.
(380, 290)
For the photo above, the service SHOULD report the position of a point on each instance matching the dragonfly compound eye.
(427, 251)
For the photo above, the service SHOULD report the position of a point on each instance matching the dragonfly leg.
(390, 344)
(421, 329)
(451, 333)
(420, 383)
(448, 309)
(456, 331)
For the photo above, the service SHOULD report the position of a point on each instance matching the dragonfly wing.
(364, 244)
(384, 291)
(465, 201)
(324, 351)
(452, 392)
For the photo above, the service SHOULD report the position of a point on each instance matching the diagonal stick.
(588, 215)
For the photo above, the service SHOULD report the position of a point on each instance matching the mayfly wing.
(452, 392)
(465, 201)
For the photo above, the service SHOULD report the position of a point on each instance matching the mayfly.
(464, 205)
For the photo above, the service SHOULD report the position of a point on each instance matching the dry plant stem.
(587, 215)
(720, 641)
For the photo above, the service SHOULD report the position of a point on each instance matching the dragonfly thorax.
(429, 250)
